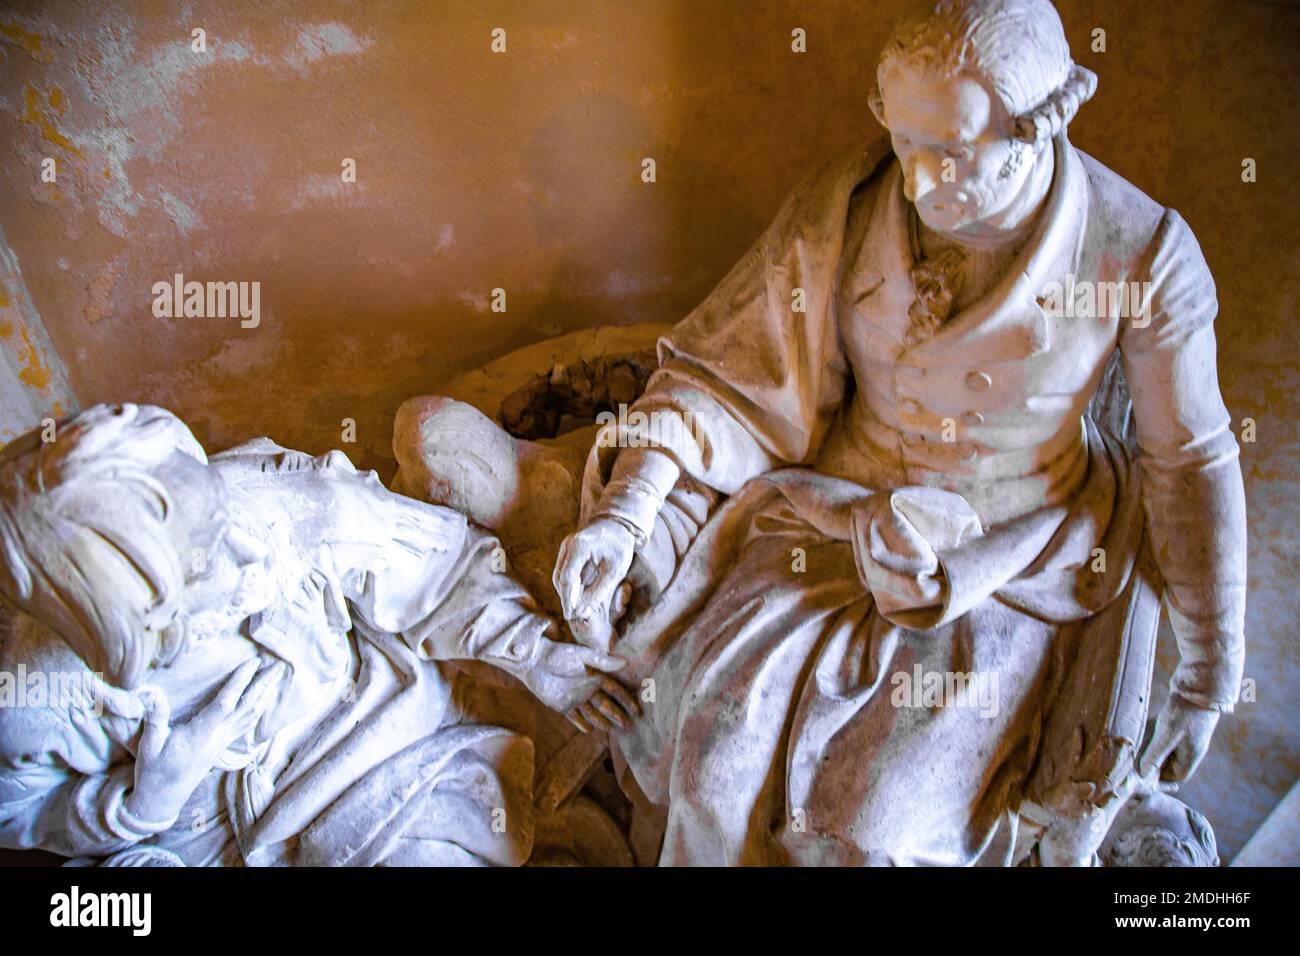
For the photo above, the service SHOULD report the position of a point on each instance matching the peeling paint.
(321, 40)
(181, 215)
(98, 305)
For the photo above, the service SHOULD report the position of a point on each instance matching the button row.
(976, 381)
(912, 407)
(964, 451)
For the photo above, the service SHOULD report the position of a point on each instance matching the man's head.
(972, 92)
(112, 533)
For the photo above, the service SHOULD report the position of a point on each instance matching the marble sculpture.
(869, 573)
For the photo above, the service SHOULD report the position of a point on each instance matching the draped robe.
(366, 755)
(900, 509)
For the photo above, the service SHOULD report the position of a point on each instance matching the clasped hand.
(590, 579)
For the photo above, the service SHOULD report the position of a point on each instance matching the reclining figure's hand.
(591, 566)
(562, 676)
(610, 705)
(173, 760)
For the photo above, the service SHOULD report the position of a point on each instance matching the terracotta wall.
(522, 170)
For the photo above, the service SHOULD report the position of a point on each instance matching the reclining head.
(112, 534)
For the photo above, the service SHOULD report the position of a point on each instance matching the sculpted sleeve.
(751, 379)
(1191, 480)
(47, 804)
(441, 585)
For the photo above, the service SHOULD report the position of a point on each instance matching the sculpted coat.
(904, 505)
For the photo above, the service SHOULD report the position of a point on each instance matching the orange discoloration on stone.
(30, 42)
(6, 329)
(35, 116)
(58, 101)
(35, 373)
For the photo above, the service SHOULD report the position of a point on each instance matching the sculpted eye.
(963, 153)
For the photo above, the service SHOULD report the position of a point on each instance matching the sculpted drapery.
(363, 754)
(867, 536)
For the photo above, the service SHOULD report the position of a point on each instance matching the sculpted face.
(221, 586)
(952, 136)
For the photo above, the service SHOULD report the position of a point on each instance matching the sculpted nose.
(919, 177)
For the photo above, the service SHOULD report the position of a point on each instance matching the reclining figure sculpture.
(882, 543)
(264, 641)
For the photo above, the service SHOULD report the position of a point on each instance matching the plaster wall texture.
(522, 171)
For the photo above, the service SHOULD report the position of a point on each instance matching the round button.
(979, 382)
(910, 405)
(911, 371)
(972, 418)
(911, 438)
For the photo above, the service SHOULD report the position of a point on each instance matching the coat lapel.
(880, 288)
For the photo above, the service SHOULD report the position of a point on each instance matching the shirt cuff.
(635, 494)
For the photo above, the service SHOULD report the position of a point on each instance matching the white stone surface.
(265, 645)
(915, 486)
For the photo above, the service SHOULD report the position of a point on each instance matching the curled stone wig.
(1017, 46)
(89, 532)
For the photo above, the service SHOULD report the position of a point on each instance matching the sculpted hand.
(611, 705)
(565, 675)
(172, 760)
(1181, 739)
(591, 566)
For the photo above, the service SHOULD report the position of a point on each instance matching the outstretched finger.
(594, 717)
(235, 685)
(625, 698)
(117, 700)
(576, 718)
(611, 710)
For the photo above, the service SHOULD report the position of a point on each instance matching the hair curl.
(84, 535)
(1017, 46)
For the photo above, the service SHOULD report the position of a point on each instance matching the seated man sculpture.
(268, 632)
(890, 388)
